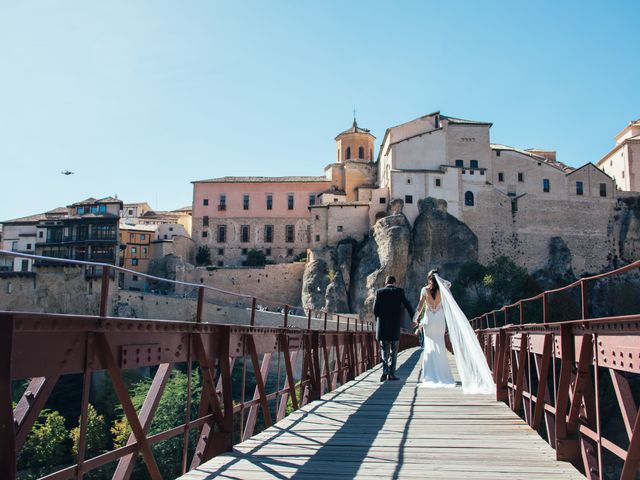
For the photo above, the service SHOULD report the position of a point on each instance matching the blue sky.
(139, 98)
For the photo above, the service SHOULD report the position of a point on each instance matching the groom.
(387, 309)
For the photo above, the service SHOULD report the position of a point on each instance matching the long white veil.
(470, 360)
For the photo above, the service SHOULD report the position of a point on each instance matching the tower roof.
(355, 129)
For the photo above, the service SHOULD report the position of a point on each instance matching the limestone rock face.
(385, 252)
(326, 279)
(558, 270)
(439, 240)
(628, 224)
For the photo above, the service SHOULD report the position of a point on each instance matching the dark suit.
(387, 309)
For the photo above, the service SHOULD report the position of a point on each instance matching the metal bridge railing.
(246, 371)
(576, 382)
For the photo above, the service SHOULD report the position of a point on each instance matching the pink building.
(232, 215)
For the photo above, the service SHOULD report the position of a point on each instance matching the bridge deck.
(369, 430)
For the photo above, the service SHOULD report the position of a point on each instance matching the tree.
(203, 256)
(45, 446)
(96, 434)
(169, 414)
(255, 258)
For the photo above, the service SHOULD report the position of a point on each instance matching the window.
(222, 233)
(268, 233)
(130, 212)
(383, 200)
(290, 233)
(546, 186)
(603, 189)
(269, 201)
(80, 210)
(360, 152)
(244, 233)
(481, 172)
(290, 201)
(245, 201)
(29, 245)
(289, 252)
(94, 209)
(40, 234)
(204, 235)
(339, 228)
(520, 177)
(134, 262)
(171, 229)
(24, 266)
(468, 199)
(14, 246)
(408, 181)
(317, 217)
(312, 199)
(205, 202)
(205, 221)
(498, 152)
(473, 163)
(408, 199)
(222, 205)
(104, 232)
(134, 249)
(579, 188)
(438, 182)
(221, 251)
(500, 177)
(143, 236)
(144, 250)
(244, 251)
(317, 238)
(132, 237)
(471, 172)
(134, 278)
(459, 163)
(220, 263)
(102, 209)
(348, 153)
(267, 252)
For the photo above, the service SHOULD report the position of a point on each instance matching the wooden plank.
(370, 430)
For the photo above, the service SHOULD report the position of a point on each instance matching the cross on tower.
(354, 116)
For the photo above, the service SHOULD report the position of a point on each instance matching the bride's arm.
(423, 299)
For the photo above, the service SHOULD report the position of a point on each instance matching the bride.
(440, 311)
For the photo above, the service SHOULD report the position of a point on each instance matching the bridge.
(303, 400)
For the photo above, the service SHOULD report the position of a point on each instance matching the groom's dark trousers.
(387, 309)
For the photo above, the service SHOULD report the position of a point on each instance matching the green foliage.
(480, 288)
(301, 257)
(46, 444)
(170, 413)
(96, 434)
(203, 255)
(255, 258)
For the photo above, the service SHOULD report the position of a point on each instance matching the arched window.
(348, 153)
(360, 153)
(468, 199)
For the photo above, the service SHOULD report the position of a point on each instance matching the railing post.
(348, 323)
(309, 320)
(584, 295)
(545, 308)
(253, 311)
(286, 316)
(104, 291)
(325, 320)
(199, 304)
(521, 305)
(337, 323)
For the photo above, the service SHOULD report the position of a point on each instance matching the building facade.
(135, 253)
(623, 161)
(233, 215)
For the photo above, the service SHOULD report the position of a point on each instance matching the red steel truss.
(43, 347)
(553, 375)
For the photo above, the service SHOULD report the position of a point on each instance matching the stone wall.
(52, 290)
(278, 283)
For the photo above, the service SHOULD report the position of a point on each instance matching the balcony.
(222, 207)
(79, 239)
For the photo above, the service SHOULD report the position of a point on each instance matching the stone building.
(623, 161)
(232, 215)
(135, 253)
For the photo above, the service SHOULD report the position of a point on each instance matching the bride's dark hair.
(434, 284)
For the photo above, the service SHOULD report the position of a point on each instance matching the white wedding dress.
(470, 361)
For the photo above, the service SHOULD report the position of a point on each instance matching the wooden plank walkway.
(396, 429)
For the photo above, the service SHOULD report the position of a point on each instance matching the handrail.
(326, 316)
(581, 282)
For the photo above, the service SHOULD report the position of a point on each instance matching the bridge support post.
(567, 447)
(7, 437)
(502, 393)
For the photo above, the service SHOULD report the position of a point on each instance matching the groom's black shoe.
(383, 377)
(393, 377)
